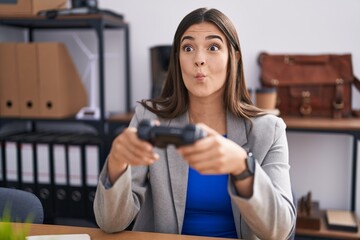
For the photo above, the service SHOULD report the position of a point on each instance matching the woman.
(214, 187)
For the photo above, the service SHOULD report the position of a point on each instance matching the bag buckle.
(305, 108)
(289, 60)
(338, 106)
(338, 102)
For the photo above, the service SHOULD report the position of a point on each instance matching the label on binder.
(43, 162)
(11, 161)
(60, 164)
(92, 165)
(75, 166)
(27, 163)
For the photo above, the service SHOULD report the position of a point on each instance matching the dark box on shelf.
(312, 220)
(342, 220)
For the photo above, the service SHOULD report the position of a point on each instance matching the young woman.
(233, 183)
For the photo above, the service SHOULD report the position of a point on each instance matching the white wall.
(320, 162)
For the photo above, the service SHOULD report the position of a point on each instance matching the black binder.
(45, 175)
(12, 161)
(27, 158)
(76, 174)
(93, 151)
(2, 162)
(60, 166)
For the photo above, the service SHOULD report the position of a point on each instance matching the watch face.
(250, 168)
(251, 163)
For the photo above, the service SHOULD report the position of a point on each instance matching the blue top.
(208, 209)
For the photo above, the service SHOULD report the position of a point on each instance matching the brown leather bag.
(310, 85)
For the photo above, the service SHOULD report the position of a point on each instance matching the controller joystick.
(161, 136)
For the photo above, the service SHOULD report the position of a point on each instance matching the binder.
(27, 157)
(28, 79)
(45, 174)
(75, 156)
(93, 149)
(2, 163)
(12, 161)
(28, 164)
(61, 191)
(9, 82)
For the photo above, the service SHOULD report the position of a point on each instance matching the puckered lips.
(200, 76)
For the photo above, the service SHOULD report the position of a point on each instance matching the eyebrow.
(207, 38)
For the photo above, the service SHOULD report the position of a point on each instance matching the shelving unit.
(99, 23)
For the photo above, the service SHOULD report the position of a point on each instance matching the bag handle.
(356, 113)
(304, 59)
(357, 83)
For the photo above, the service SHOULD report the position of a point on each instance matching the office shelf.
(98, 22)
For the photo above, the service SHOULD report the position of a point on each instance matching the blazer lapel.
(178, 170)
(236, 130)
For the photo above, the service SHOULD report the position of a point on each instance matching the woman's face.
(203, 60)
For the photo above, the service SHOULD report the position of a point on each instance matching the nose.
(199, 59)
(199, 63)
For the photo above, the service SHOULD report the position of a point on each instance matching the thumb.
(207, 129)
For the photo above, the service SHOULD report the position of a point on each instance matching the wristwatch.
(249, 171)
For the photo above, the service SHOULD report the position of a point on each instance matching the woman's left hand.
(214, 154)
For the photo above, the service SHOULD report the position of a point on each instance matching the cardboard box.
(28, 80)
(62, 92)
(29, 7)
(9, 81)
(40, 80)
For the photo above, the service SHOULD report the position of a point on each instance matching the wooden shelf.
(324, 232)
(344, 124)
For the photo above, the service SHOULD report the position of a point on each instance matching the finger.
(207, 129)
(134, 158)
(137, 146)
(132, 150)
(201, 145)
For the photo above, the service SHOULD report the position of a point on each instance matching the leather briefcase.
(310, 85)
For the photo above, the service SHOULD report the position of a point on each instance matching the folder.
(45, 174)
(93, 152)
(62, 92)
(9, 82)
(28, 79)
(12, 161)
(76, 177)
(28, 165)
(61, 191)
(2, 162)
(27, 158)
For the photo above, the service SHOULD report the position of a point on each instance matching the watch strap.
(249, 170)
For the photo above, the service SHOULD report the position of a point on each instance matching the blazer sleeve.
(269, 213)
(116, 207)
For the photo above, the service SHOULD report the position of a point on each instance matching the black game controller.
(161, 136)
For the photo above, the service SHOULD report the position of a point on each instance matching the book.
(342, 220)
(60, 237)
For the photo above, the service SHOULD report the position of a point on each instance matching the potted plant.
(10, 231)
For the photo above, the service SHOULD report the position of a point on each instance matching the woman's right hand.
(127, 149)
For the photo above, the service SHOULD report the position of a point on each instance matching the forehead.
(204, 28)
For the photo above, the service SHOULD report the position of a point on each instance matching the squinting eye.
(187, 48)
(213, 48)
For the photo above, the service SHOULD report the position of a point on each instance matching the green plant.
(10, 231)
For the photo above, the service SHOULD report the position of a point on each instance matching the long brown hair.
(174, 100)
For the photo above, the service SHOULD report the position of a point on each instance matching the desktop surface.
(98, 234)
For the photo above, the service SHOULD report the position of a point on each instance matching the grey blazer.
(155, 195)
